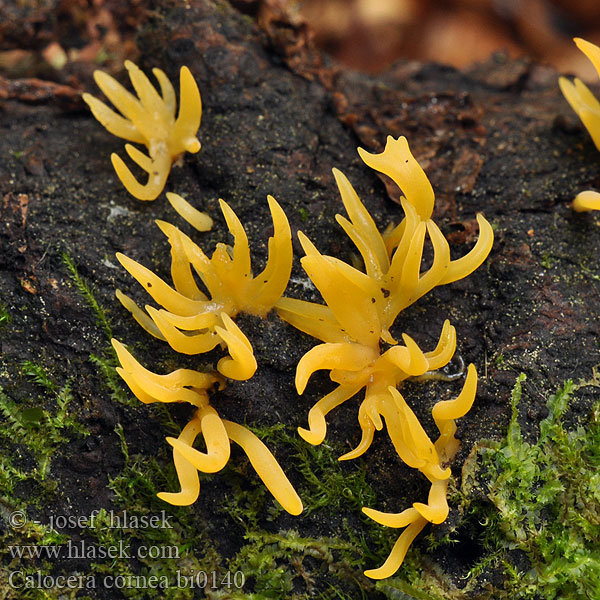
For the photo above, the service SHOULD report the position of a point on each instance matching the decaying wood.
(497, 139)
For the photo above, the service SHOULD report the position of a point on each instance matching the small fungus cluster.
(186, 385)
(360, 309)
(587, 108)
(149, 120)
(417, 451)
(197, 310)
(193, 322)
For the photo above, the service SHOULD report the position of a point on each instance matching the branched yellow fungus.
(393, 260)
(413, 443)
(150, 120)
(579, 96)
(185, 385)
(182, 385)
(587, 107)
(354, 367)
(362, 306)
(193, 322)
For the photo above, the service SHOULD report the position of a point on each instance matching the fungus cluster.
(587, 107)
(149, 120)
(186, 385)
(192, 321)
(361, 307)
(196, 311)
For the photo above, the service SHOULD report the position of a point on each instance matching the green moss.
(546, 261)
(548, 498)
(277, 564)
(545, 504)
(105, 359)
(86, 292)
(328, 484)
(273, 562)
(4, 316)
(28, 551)
(106, 363)
(399, 589)
(38, 429)
(532, 510)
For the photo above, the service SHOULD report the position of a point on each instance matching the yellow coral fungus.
(434, 457)
(149, 120)
(587, 107)
(192, 322)
(579, 96)
(185, 385)
(392, 262)
(355, 366)
(362, 306)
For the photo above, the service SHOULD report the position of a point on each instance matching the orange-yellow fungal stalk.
(579, 96)
(241, 364)
(185, 385)
(199, 220)
(182, 385)
(586, 201)
(587, 107)
(414, 524)
(151, 120)
(192, 321)
(434, 457)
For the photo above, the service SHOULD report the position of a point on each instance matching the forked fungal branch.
(193, 322)
(354, 367)
(186, 385)
(392, 281)
(416, 447)
(150, 120)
